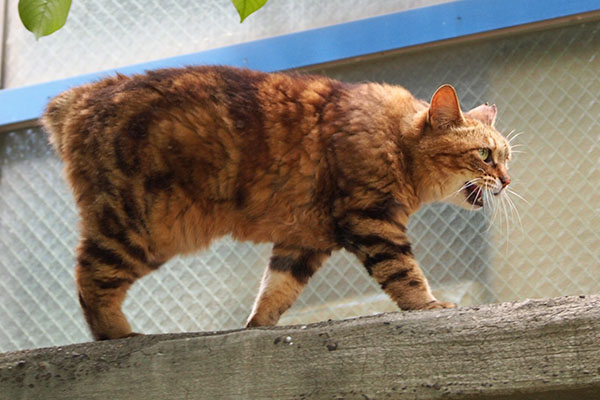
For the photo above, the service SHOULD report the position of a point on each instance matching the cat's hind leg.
(288, 272)
(103, 276)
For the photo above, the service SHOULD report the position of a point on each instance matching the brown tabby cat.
(165, 162)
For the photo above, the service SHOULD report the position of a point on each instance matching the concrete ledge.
(536, 349)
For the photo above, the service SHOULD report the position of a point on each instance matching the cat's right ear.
(484, 113)
(444, 110)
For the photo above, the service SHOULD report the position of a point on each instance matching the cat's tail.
(57, 115)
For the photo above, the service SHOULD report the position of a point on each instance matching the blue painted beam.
(316, 46)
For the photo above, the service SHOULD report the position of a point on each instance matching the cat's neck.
(394, 114)
(391, 108)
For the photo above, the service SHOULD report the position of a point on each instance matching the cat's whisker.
(514, 137)
(472, 181)
(476, 195)
(492, 205)
(517, 194)
(502, 202)
(510, 134)
(496, 208)
(513, 206)
(479, 189)
(509, 208)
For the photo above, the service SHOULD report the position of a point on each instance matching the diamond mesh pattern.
(104, 34)
(545, 84)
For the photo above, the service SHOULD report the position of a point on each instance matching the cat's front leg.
(288, 272)
(385, 251)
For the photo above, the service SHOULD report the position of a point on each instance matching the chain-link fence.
(545, 84)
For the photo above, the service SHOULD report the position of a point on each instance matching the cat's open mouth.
(474, 194)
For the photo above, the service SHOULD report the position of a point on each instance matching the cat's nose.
(505, 180)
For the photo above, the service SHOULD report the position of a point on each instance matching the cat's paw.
(101, 337)
(436, 304)
(133, 334)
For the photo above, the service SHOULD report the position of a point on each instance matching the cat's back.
(206, 102)
(128, 105)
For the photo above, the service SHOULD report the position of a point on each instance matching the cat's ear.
(484, 113)
(444, 110)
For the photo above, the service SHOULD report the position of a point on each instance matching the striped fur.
(163, 163)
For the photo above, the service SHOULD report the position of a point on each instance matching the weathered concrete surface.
(543, 349)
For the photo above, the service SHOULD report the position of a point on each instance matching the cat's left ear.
(484, 113)
(444, 110)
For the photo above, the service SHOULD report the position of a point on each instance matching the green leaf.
(247, 7)
(43, 17)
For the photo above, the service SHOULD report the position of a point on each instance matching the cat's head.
(466, 158)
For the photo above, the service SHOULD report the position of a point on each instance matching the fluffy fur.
(165, 162)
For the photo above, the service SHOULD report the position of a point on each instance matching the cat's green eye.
(485, 154)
